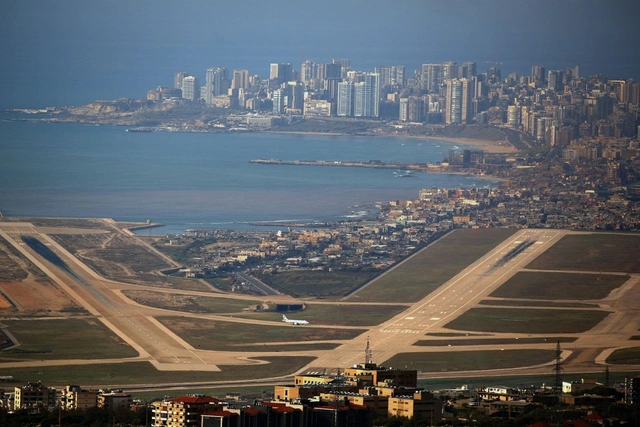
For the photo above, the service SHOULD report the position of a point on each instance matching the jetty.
(376, 164)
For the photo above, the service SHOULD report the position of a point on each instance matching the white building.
(191, 88)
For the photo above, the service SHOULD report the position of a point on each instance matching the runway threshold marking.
(498, 279)
(479, 263)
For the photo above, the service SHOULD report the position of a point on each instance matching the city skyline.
(106, 50)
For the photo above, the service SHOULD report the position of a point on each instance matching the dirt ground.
(39, 298)
(29, 291)
(4, 303)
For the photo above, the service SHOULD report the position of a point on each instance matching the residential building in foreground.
(184, 411)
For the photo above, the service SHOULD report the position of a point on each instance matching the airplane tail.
(284, 317)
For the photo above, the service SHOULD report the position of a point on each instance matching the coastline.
(488, 146)
(491, 147)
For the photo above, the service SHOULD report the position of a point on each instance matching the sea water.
(203, 180)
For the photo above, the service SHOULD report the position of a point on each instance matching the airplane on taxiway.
(293, 321)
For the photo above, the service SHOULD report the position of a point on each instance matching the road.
(256, 284)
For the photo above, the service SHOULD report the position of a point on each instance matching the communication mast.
(368, 357)
(557, 369)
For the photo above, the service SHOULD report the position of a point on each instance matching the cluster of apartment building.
(318, 90)
(345, 245)
(554, 108)
(353, 396)
(560, 107)
(534, 191)
(36, 394)
(552, 202)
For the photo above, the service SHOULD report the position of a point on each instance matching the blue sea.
(202, 180)
(74, 52)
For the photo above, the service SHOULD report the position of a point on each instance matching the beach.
(486, 145)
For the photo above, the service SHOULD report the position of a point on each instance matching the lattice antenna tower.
(557, 370)
(368, 356)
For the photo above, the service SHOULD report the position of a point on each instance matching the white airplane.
(294, 322)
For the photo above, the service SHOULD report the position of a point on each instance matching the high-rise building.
(554, 80)
(537, 74)
(604, 107)
(454, 102)
(412, 109)
(191, 88)
(404, 110)
(493, 75)
(543, 125)
(468, 69)
(278, 99)
(459, 101)
(392, 75)
(240, 79)
(280, 72)
(332, 74)
(332, 71)
(295, 95)
(634, 93)
(344, 63)
(367, 96)
(449, 71)
(177, 79)
(216, 83)
(308, 71)
(513, 116)
(345, 99)
(431, 77)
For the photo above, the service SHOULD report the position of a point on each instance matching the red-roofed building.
(221, 419)
(185, 411)
(281, 414)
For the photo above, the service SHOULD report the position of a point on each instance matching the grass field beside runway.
(592, 252)
(54, 339)
(559, 286)
(527, 321)
(470, 360)
(116, 374)
(625, 356)
(492, 341)
(231, 336)
(434, 266)
(190, 303)
(337, 314)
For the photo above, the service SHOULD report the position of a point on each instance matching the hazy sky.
(137, 37)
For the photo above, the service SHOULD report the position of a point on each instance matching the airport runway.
(136, 324)
(446, 303)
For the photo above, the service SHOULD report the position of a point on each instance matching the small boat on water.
(403, 174)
